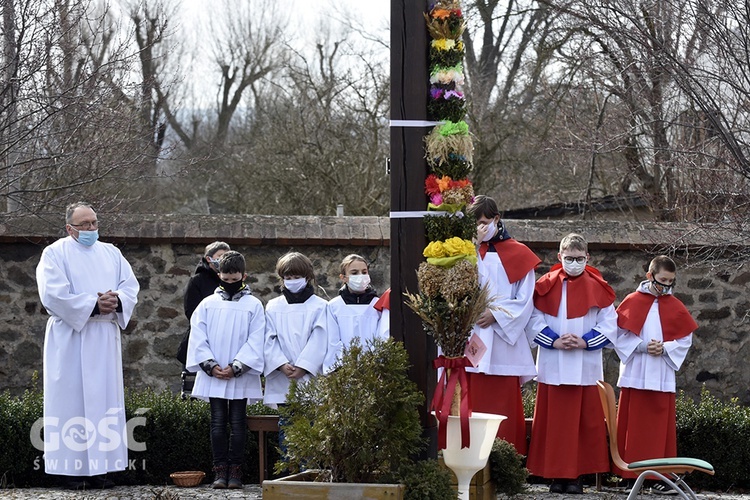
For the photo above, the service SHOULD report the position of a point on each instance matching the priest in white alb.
(89, 291)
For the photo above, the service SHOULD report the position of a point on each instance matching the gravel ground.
(535, 492)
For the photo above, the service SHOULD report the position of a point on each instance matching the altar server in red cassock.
(507, 267)
(655, 332)
(573, 318)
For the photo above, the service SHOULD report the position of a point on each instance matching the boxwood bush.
(718, 432)
(175, 433)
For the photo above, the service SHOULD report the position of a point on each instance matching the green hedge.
(175, 433)
(719, 433)
(709, 429)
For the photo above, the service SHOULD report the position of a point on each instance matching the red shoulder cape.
(516, 257)
(584, 292)
(676, 321)
(384, 302)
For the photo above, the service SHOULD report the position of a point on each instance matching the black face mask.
(661, 287)
(232, 288)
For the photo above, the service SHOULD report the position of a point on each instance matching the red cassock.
(501, 395)
(645, 426)
(569, 437)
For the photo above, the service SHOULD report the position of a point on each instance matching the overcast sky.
(304, 13)
(371, 16)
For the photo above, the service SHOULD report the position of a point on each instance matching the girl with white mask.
(351, 314)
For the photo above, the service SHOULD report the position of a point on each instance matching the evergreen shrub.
(718, 432)
(506, 468)
(426, 480)
(359, 420)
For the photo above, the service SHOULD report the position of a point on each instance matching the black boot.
(235, 477)
(220, 477)
(575, 487)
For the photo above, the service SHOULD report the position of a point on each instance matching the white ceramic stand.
(468, 461)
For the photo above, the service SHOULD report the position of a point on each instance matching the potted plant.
(353, 428)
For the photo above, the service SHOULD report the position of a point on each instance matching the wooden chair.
(670, 470)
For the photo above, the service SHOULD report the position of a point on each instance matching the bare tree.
(317, 137)
(247, 42)
(72, 135)
(656, 60)
(509, 49)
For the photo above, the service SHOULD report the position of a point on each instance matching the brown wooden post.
(409, 88)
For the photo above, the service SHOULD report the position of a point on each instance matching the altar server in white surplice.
(89, 291)
(352, 313)
(227, 331)
(295, 329)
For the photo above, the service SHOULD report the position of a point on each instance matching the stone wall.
(164, 250)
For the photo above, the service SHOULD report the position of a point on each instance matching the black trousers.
(228, 447)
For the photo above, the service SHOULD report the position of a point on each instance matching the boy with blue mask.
(574, 318)
(227, 332)
(296, 339)
(655, 332)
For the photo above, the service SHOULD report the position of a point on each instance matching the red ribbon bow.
(443, 397)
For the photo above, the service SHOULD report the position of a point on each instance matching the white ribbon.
(414, 123)
(416, 214)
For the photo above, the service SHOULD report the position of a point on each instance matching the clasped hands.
(292, 372)
(655, 348)
(107, 302)
(225, 373)
(569, 341)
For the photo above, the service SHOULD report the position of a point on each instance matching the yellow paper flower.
(444, 44)
(435, 249)
(458, 246)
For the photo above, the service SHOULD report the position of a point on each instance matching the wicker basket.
(188, 478)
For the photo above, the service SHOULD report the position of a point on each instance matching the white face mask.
(296, 285)
(358, 282)
(573, 268)
(491, 230)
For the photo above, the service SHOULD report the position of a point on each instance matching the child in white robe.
(351, 314)
(573, 319)
(295, 340)
(655, 332)
(226, 350)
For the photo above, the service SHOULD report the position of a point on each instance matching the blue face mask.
(88, 238)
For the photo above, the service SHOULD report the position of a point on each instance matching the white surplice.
(508, 352)
(225, 330)
(640, 370)
(295, 334)
(575, 366)
(347, 322)
(85, 430)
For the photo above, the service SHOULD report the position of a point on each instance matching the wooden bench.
(262, 424)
